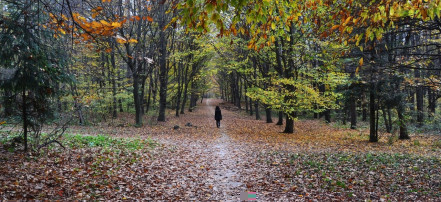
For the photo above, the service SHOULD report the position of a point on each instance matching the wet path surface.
(226, 176)
(218, 153)
(224, 157)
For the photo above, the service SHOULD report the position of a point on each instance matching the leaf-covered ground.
(202, 162)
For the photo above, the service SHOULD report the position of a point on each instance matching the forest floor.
(201, 162)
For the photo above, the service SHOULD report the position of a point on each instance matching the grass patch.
(105, 141)
(13, 141)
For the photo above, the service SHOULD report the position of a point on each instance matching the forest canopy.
(321, 57)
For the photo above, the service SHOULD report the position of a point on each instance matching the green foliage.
(105, 141)
(34, 64)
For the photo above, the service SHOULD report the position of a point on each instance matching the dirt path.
(219, 153)
(225, 176)
(213, 147)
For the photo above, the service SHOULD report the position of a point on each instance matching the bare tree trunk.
(25, 120)
(280, 121)
(193, 97)
(432, 102)
(403, 128)
(179, 94)
(419, 100)
(268, 114)
(289, 127)
(114, 103)
(364, 108)
(245, 97)
(163, 69)
(386, 121)
(184, 100)
(237, 91)
(136, 97)
(142, 98)
(149, 93)
(353, 111)
(373, 135)
(256, 107)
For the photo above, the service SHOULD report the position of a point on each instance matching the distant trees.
(389, 49)
(136, 43)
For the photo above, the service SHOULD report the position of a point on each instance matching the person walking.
(217, 116)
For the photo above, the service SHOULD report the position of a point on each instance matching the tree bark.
(268, 114)
(353, 112)
(256, 107)
(25, 120)
(373, 135)
(245, 96)
(192, 96)
(179, 94)
(432, 102)
(386, 121)
(136, 97)
(184, 100)
(251, 107)
(419, 100)
(364, 108)
(149, 93)
(163, 69)
(114, 103)
(280, 121)
(289, 127)
(403, 128)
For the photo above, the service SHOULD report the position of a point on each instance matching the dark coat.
(218, 115)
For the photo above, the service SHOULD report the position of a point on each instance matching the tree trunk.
(327, 115)
(344, 112)
(256, 107)
(25, 121)
(432, 102)
(419, 100)
(389, 118)
(373, 135)
(138, 113)
(149, 93)
(403, 128)
(184, 100)
(163, 77)
(251, 107)
(246, 97)
(114, 103)
(268, 114)
(280, 121)
(178, 96)
(353, 112)
(142, 97)
(185, 83)
(237, 91)
(289, 127)
(386, 121)
(163, 67)
(364, 108)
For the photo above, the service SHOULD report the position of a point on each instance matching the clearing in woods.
(198, 161)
